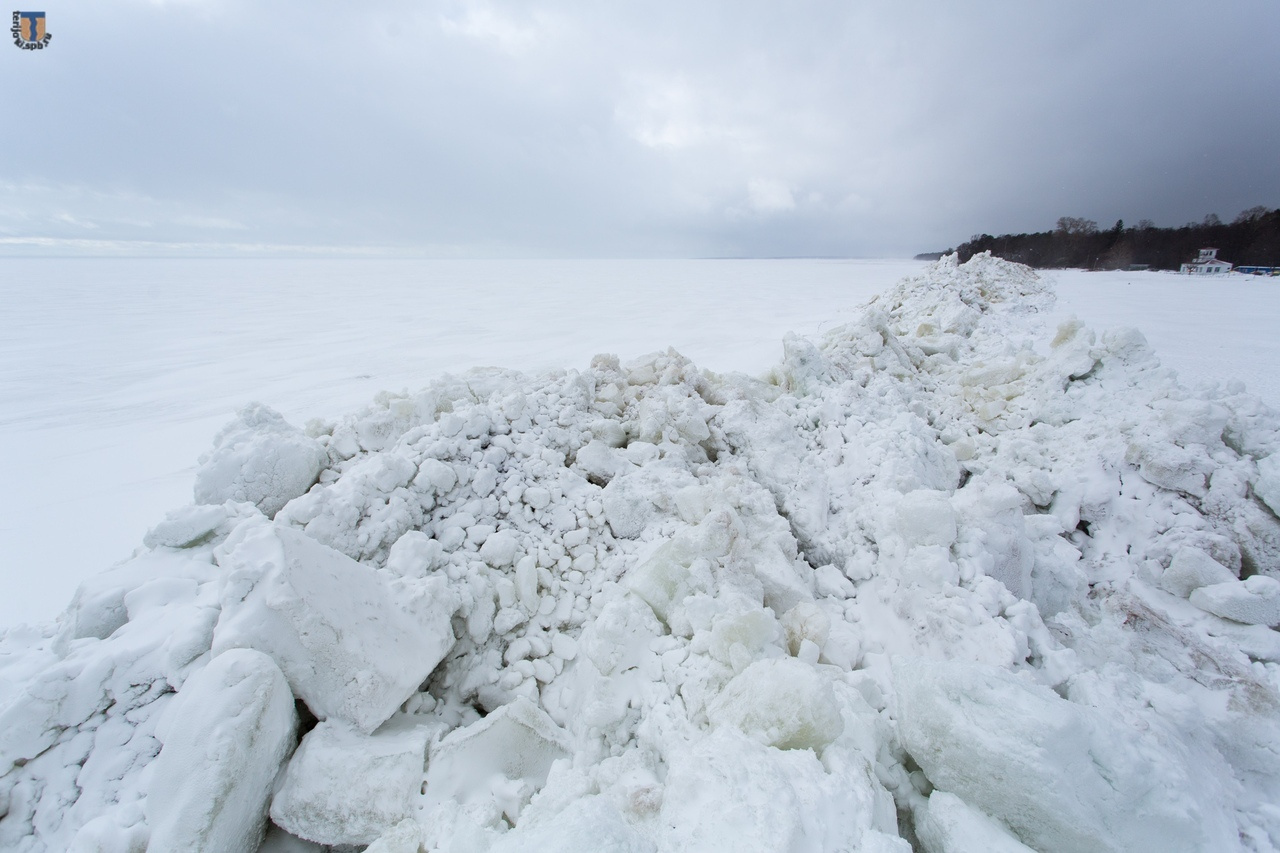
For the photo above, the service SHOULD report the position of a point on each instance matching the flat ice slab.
(1005, 745)
(950, 825)
(1253, 601)
(345, 787)
(498, 763)
(352, 646)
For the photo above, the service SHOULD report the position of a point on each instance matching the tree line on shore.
(1252, 238)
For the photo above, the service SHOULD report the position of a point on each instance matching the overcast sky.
(628, 129)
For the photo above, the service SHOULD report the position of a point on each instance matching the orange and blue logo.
(29, 31)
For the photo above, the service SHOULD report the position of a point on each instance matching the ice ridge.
(943, 580)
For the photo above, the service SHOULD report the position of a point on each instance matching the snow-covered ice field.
(951, 570)
(116, 373)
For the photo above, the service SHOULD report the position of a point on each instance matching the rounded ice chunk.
(780, 702)
(259, 458)
(414, 555)
(1253, 601)
(345, 787)
(1191, 569)
(500, 549)
(1267, 486)
(436, 476)
(225, 736)
(601, 462)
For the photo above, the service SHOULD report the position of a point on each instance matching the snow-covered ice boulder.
(1165, 464)
(259, 457)
(414, 555)
(492, 767)
(192, 525)
(590, 823)
(1060, 776)
(995, 537)
(500, 549)
(1253, 601)
(632, 501)
(780, 702)
(98, 608)
(947, 824)
(925, 517)
(353, 645)
(1267, 485)
(225, 738)
(1191, 569)
(346, 787)
(404, 837)
(680, 567)
(602, 463)
(729, 793)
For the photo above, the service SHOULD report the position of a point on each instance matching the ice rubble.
(943, 580)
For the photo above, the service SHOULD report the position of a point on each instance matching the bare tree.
(1076, 226)
(1251, 215)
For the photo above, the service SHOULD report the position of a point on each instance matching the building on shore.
(1207, 263)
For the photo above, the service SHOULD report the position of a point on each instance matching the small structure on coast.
(1208, 263)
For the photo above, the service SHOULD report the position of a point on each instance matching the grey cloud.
(744, 128)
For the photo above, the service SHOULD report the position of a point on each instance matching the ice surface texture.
(944, 574)
(261, 459)
(224, 738)
(345, 787)
(353, 644)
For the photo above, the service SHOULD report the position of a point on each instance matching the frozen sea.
(116, 373)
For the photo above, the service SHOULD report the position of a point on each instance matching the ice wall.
(943, 580)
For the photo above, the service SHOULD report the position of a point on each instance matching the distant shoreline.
(1251, 239)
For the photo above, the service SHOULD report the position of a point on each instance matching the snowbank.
(943, 575)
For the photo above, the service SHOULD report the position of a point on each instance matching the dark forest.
(1252, 238)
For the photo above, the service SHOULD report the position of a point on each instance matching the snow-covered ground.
(1211, 329)
(950, 571)
(116, 373)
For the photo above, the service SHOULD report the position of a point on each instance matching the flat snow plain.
(116, 373)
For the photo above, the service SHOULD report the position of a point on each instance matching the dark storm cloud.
(743, 128)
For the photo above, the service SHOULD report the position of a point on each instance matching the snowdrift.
(944, 580)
